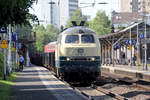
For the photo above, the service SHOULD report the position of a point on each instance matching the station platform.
(38, 83)
(128, 71)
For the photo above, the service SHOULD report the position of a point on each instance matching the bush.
(1, 64)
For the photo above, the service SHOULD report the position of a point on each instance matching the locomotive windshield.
(72, 39)
(87, 39)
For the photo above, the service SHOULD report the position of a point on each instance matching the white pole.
(17, 47)
(9, 50)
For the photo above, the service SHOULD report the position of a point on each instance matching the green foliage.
(1, 64)
(44, 35)
(121, 27)
(25, 32)
(16, 12)
(5, 86)
(78, 17)
(100, 24)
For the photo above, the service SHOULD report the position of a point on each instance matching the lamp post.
(51, 12)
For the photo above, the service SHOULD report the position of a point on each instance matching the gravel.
(132, 93)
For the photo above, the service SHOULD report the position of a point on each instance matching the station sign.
(3, 30)
(141, 36)
(130, 42)
(4, 44)
(119, 46)
(127, 42)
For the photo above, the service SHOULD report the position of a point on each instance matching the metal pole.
(126, 58)
(145, 48)
(130, 49)
(112, 55)
(101, 54)
(138, 49)
(106, 55)
(109, 48)
(5, 59)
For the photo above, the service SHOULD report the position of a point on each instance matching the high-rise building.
(56, 12)
(125, 6)
(66, 10)
(135, 6)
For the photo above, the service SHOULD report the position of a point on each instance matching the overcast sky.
(91, 11)
(112, 5)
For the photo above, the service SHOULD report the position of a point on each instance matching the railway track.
(127, 86)
(132, 82)
(101, 89)
(122, 89)
(94, 92)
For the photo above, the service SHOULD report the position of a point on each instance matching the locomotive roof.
(78, 29)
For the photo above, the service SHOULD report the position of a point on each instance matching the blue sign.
(14, 36)
(126, 41)
(19, 45)
(133, 42)
(130, 42)
(119, 46)
(141, 36)
(3, 30)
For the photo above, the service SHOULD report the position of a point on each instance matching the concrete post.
(27, 58)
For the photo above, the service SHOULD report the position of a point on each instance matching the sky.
(108, 8)
(91, 11)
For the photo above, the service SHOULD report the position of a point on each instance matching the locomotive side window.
(87, 39)
(72, 39)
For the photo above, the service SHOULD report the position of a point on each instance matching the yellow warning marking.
(130, 47)
(4, 44)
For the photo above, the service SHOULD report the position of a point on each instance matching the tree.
(44, 35)
(100, 24)
(15, 12)
(78, 17)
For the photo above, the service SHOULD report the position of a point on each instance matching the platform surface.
(38, 83)
(131, 71)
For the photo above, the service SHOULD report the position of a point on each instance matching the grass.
(5, 86)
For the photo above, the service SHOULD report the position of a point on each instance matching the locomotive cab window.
(87, 39)
(72, 39)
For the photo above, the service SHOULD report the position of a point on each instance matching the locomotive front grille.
(80, 59)
(68, 59)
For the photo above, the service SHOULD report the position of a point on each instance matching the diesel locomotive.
(75, 56)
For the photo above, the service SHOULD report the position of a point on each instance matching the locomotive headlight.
(92, 59)
(68, 59)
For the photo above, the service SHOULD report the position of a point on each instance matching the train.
(75, 56)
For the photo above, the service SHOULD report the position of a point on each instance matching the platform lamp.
(93, 4)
